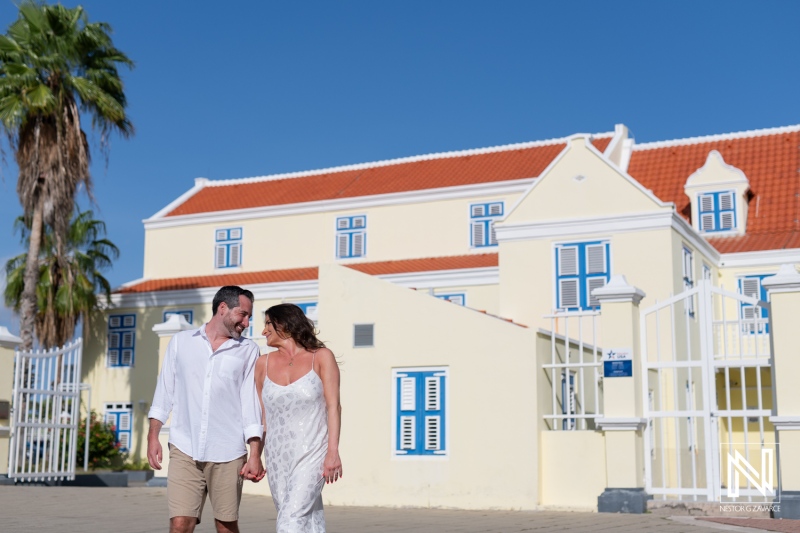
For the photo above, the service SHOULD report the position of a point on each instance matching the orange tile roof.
(378, 268)
(771, 163)
(418, 174)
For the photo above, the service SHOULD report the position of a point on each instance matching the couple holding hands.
(223, 395)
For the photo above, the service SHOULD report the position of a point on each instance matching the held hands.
(332, 467)
(253, 469)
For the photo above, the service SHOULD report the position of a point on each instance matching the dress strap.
(313, 358)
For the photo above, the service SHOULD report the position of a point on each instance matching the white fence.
(45, 412)
(707, 391)
(574, 371)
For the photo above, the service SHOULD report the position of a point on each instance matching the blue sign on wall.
(618, 363)
(617, 369)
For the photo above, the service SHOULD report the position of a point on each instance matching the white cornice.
(714, 138)
(340, 204)
(446, 278)
(609, 224)
(759, 259)
(310, 288)
(581, 226)
(786, 423)
(620, 424)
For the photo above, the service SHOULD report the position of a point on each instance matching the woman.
(299, 389)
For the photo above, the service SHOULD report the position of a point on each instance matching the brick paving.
(764, 524)
(144, 509)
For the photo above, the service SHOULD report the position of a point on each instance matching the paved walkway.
(141, 510)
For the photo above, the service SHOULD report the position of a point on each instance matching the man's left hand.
(253, 469)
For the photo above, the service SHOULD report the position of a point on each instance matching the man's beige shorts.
(188, 482)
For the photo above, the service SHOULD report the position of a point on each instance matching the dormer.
(718, 193)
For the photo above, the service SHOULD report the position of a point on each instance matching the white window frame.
(228, 241)
(482, 216)
(117, 410)
(121, 338)
(348, 230)
(420, 406)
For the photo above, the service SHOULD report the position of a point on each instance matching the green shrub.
(103, 446)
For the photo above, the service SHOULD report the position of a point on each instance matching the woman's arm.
(329, 372)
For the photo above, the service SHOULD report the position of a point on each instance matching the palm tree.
(55, 65)
(69, 285)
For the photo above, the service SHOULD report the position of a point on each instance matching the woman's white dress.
(297, 441)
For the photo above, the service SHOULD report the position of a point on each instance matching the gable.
(581, 183)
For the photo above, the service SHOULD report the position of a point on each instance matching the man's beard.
(230, 325)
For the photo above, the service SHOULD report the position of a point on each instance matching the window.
(580, 268)
(755, 319)
(706, 272)
(188, 314)
(456, 298)
(717, 211)
(121, 340)
(351, 236)
(363, 335)
(228, 250)
(309, 309)
(688, 278)
(119, 415)
(420, 407)
(482, 219)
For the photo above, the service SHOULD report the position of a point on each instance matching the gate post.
(784, 296)
(8, 343)
(622, 421)
(165, 331)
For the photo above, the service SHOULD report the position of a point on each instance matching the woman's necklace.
(291, 361)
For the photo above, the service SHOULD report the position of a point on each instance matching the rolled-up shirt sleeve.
(251, 407)
(165, 386)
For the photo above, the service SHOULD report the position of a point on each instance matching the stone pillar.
(165, 331)
(8, 343)
(784, 297)
(622, 421)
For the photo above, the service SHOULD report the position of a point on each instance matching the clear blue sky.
(254, 88)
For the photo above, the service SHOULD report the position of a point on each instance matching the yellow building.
(476, 270)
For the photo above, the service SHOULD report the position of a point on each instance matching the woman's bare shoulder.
(261, 363)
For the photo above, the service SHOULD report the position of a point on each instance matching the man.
(206, 381)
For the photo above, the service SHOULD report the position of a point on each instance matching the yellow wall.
(393, 232)
(573, 469)
(490, 363)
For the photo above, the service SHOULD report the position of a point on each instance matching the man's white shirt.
(211, 395)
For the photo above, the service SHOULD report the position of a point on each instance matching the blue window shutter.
(580, 268)
(755, 319)
(482, 218)
(420, 412)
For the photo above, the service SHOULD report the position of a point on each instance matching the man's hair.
(230, 295)
(289, 320)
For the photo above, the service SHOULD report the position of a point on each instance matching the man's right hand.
(154, 445)
(154, 453)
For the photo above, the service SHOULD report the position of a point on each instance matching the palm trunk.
(31, 280)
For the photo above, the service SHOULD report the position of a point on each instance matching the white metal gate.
(707, 387)
(45, 412)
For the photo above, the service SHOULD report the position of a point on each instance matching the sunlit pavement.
(144, 509)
